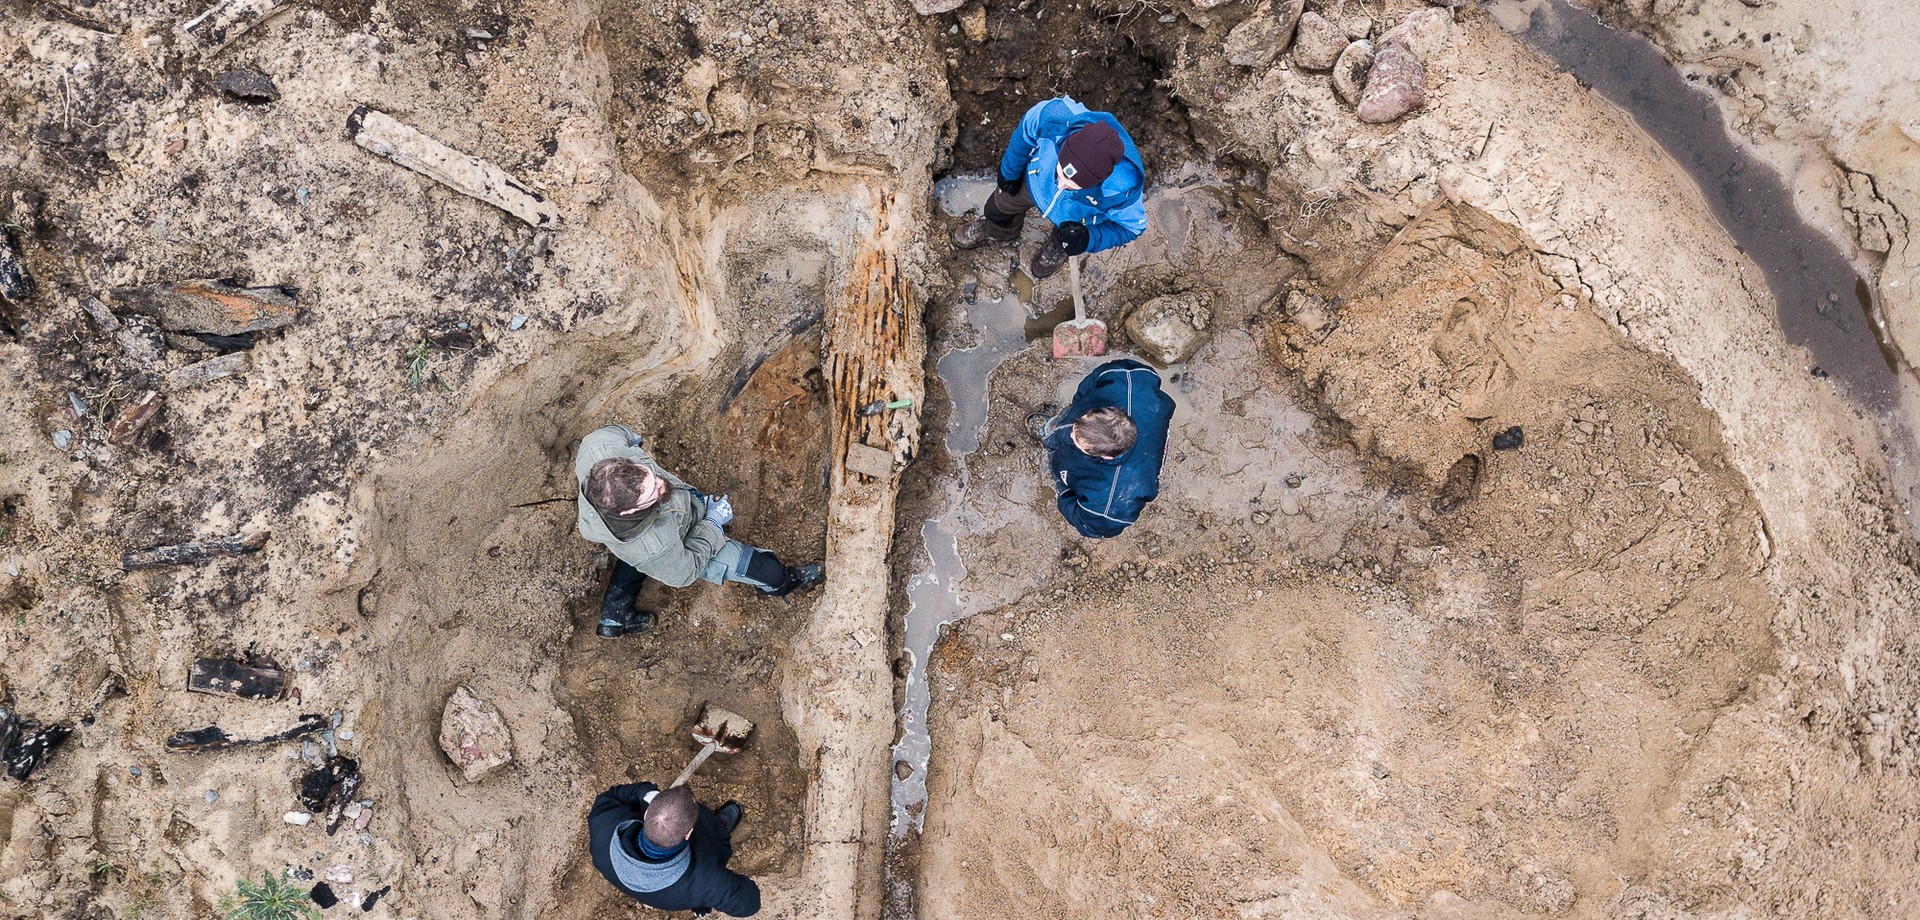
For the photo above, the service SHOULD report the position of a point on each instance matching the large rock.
(1395, 86)
(1424, 32)
(1317, 43)
(473, 735)
(1350, 71)
(1170, 328)
(1261, 37)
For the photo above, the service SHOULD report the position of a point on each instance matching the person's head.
(669, 817)
(1105, 433)
(1088, 155)
(623, 486)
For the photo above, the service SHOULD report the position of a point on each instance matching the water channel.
(1825, 305)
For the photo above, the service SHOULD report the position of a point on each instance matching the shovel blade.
(1080, 338)
(723, 728)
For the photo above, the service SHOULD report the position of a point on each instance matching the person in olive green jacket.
(657, 526)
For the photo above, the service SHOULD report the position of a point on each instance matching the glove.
(719, 511)
(1011, 187)
(1072, 237)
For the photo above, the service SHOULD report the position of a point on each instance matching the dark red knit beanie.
(1088, 155)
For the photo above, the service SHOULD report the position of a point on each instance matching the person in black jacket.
(668, 851)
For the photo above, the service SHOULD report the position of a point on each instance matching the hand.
(719, 511)
(1072, 236)
(1011, 187)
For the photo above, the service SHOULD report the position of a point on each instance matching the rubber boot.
(617, 614)
(798, 578)
(729, 816)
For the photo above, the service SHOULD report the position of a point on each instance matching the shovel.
(717, 729)
(1079, 337)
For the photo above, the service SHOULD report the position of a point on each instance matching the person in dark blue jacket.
(668, 851)
(1106, 447)
(1080, 170)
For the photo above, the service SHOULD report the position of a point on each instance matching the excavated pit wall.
(693, 253)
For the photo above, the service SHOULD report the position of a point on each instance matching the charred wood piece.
(205, 372)
(224, 22)
(231, 678)
(193, 552)
(212, 738)
(210, 306)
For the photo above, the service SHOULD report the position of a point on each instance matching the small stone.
(339, 875)
(1170, 328)
(298, 818)
(1350, 71)
(974, 22)
(1006, 637)
(248, 85)
(480, 35)
(346, 734)
(1208, 4)
(517, 323)
(1509, 439)
(212, 796)
(62, 439)
(902, 769)
(1264, 35)
(1294, 480)
(1395, 86)
(473, 735)
(366, 817)
(936, 7)
(1317, 43)
(1262, 517)
(1289, 505)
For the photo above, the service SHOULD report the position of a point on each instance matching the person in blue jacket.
(1080, 170)
(1105, 448)
(669, 852)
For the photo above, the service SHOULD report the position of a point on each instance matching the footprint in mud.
(1463, 479)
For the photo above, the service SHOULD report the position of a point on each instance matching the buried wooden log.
(193, 552)
(212, 738)
(208, 371)
(840, 705)
(224, 22)
(207, 306)
(381, 135)
(231, 678)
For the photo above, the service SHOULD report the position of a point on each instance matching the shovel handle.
(1073, 274)
(698, 759)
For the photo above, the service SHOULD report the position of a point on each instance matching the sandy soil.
(1653, 665)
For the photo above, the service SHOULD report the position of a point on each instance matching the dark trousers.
(1008, 212)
